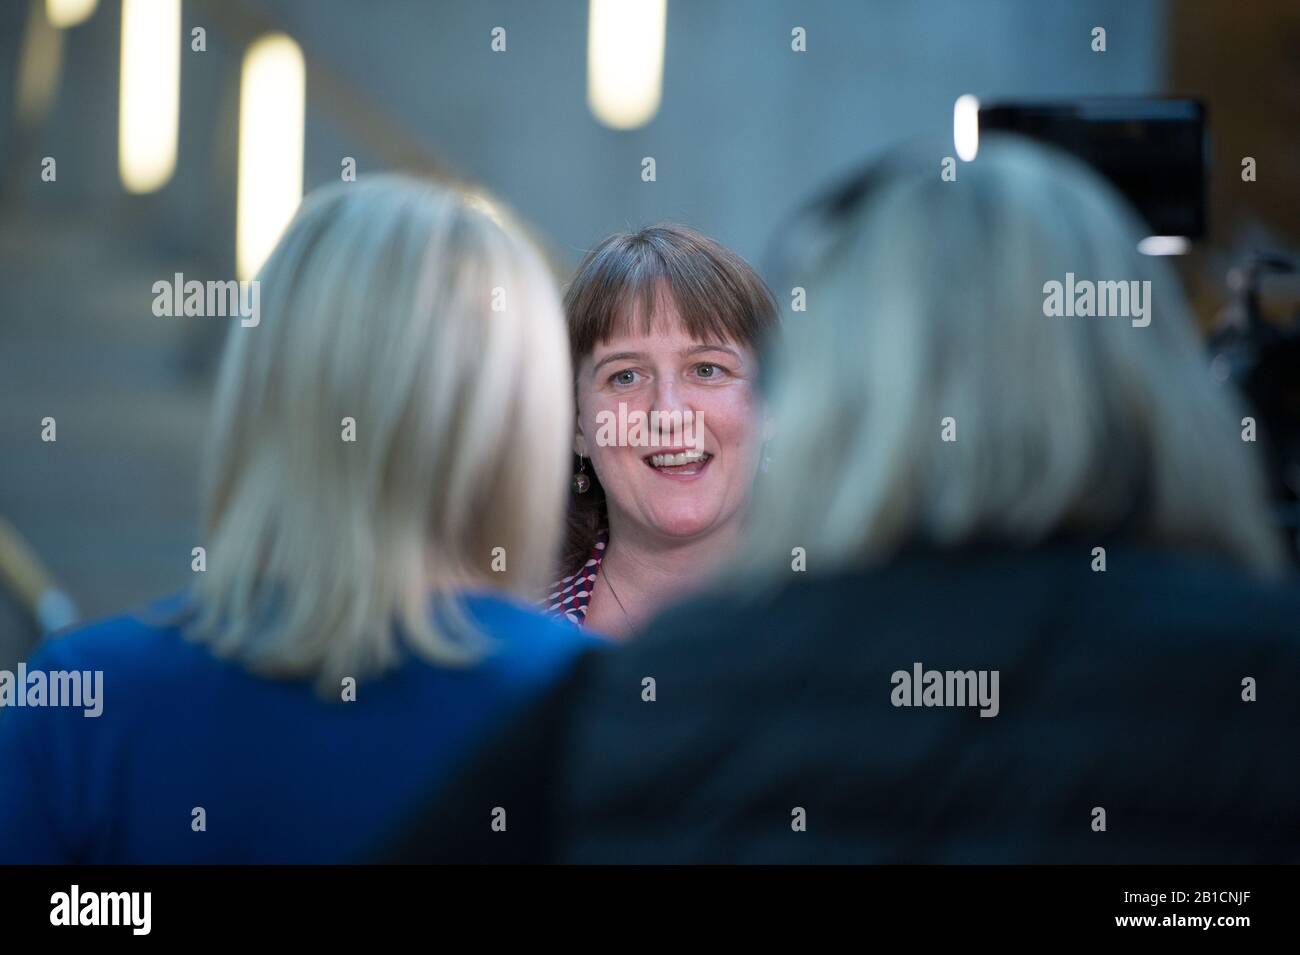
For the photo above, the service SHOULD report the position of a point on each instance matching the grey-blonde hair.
(398, 304)
(925, 301)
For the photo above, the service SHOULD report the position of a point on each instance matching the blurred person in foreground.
(1060, 504)
(665, 327)
(361, 620)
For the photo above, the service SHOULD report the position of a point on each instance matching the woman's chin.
(684, 526)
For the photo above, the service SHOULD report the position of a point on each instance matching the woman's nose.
(667, 395)
(671, 402)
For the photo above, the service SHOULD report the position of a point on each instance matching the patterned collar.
(572, 594)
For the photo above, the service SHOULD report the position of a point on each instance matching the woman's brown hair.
(624, 279)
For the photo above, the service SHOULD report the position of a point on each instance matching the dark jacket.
(1120, 691)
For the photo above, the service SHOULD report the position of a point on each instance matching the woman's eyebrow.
(619, 356)
(702, 348)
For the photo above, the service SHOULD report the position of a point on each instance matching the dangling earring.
(581, 482)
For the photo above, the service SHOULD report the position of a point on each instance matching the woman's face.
(703, 486)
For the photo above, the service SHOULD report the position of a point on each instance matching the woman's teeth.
(677, 460)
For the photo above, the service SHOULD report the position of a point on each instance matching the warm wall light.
(39, 66)
(625, 60)
(68, 13)
(966, 127)
(1165, 245)
(272, 99)
(149, 113)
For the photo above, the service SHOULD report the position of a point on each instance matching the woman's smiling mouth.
(679, 463)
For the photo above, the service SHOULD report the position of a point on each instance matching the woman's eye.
(709, 371)
(627, 377)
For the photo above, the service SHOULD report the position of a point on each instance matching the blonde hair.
(926, 302)
(397, 304)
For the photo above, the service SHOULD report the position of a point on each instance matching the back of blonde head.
(926, 302)
(395, 304)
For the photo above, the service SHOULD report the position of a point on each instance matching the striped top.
(572, 594)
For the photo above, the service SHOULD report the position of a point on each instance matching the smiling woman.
(665, 327)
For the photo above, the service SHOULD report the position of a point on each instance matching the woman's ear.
(579, 439)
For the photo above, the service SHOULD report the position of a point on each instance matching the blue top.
(282, 775)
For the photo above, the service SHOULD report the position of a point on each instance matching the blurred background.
(184, 134)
